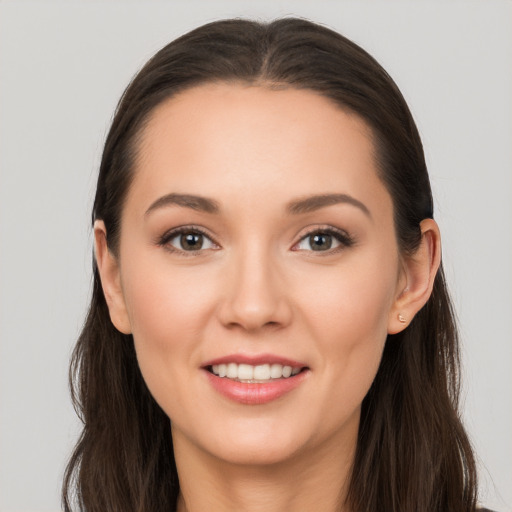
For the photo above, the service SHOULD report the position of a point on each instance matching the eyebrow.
(295, 207)
(313, 203)
(199, 203)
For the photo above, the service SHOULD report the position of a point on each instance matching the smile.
(254, 374)
(255, 380)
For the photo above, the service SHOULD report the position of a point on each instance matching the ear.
(108, 267)
(417, 278)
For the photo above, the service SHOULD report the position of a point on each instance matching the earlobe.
(108, 267)
(417, 279)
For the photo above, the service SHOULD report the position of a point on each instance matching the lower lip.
(255, 393)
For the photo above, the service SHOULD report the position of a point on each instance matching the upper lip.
(255, 360)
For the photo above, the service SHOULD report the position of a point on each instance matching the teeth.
(232, 371)
(247, 372)
(262, 372)
(276, 371)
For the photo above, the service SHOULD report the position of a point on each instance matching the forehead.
(247, 109)
(229, 139)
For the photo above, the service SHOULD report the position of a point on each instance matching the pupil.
(321, 242)
(191, 240)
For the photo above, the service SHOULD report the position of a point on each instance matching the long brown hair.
(412, 451)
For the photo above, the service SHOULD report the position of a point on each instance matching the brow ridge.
(194, 202)
(295, 207)
(313, 203)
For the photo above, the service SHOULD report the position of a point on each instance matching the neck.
(305, 482)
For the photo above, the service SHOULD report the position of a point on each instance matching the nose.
(256, 295)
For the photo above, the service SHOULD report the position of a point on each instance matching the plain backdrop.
(63, 67)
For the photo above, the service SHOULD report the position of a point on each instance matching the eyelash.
(341, 236)
(344, 239)
(173, 233)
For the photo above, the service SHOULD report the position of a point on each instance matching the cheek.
(165, 302)
(353, 303)
(348, 316)
(167, 308)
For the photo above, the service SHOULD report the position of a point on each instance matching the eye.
(187, 239)
(324, 240)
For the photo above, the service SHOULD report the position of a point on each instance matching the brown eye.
(187, 240)
(324, 240)
(191, 241)
(320, 242)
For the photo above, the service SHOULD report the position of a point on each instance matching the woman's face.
(257, 236)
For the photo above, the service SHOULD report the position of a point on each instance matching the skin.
(257, 287)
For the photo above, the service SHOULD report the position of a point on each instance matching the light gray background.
(63, 67)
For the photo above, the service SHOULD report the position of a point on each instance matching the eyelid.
(174, 232)
(343, 237)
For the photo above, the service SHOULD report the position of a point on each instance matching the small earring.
(401, 318)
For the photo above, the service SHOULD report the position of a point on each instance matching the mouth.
(254, 374)
(255, 380)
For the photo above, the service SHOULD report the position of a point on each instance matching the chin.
(245, 442)
(252, 454)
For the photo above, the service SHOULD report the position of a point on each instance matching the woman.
(270, 327)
